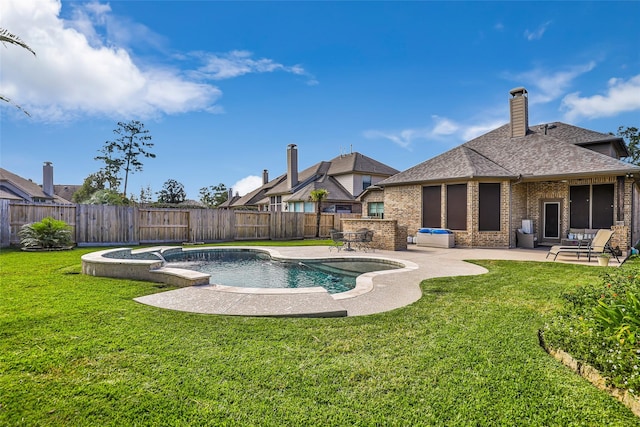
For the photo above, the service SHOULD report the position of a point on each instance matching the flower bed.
(600, 327)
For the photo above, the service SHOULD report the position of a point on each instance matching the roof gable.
(359, 163)
(21, 186)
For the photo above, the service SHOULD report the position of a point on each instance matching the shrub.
(47, 234)
(600, 325)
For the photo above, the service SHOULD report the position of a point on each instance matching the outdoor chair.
(337, 240)
(598, 245)
(365, 240)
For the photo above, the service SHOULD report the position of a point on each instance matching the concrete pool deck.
(382, 292)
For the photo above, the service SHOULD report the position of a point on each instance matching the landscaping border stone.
(592, 375)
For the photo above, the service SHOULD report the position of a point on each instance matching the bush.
(600, 324)
(47, 234)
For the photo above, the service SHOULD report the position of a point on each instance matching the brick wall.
(404, 204)
(388, 235)
(369, 197)
(519, 201)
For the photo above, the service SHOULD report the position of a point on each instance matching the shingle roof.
(320, 175)
(14, 184)
(357, 162)
(304, 177)
(256, 196)
(344, 164)
(559, 152)
(336, 192)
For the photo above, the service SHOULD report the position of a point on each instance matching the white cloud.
(240, 62)
(246, 185)
(444, 126)
(537, 33)
(445, 131)
(76, 73)
(474, 131)
(621, 96)
(403, 138)
(84, 66)
(550, 85)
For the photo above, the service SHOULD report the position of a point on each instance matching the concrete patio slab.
(387, 290)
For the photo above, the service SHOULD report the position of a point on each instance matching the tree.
(631, 135)
(318, 196)
(7, 37)
(107, 197)
(172, 192)
(124, 152)
(145, 195)
(214, 195)
(95, 182)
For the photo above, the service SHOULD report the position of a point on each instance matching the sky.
(224, 87)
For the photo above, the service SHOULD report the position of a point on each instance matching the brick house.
(556, 175)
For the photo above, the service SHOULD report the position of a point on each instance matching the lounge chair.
(599, 245)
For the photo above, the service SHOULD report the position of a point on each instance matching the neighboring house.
(556, 175)
(344, 177)
(14, 187)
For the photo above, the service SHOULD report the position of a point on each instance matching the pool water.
(253, 269)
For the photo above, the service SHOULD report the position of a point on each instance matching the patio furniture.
(337, 240)
(364, 238)
(599, 245)
(352, 237)
(526, 240)
(578, 237)
(435, 238)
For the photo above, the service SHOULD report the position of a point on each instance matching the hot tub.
(435, 238)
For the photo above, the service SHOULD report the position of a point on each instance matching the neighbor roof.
(558, 153)
(341, 165)
(15, 187)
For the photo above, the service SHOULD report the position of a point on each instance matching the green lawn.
(77, 350)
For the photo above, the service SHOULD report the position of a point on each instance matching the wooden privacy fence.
(101, 225)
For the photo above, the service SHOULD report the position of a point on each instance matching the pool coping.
(100, 264)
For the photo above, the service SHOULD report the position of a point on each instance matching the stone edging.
(592, 375)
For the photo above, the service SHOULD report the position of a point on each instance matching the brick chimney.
(292, 166)
(47, 179)
(519, 110)
(265, 176)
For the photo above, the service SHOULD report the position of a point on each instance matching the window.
(296, 207)
(375, 209)
(366, 182)
(489, 207)
(431, 206)
(457, 206)
(309, 207)
(591, 206)
(275, 203)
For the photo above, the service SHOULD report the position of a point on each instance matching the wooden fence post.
(5, 223)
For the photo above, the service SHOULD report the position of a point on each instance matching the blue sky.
(224, 87)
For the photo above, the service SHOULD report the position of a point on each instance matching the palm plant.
(46, 234)
(7, 37)
(318, 196)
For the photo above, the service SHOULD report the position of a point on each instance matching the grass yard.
(77, 350)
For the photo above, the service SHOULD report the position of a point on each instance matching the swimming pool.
(257, 269)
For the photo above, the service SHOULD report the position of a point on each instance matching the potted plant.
(603, 259)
